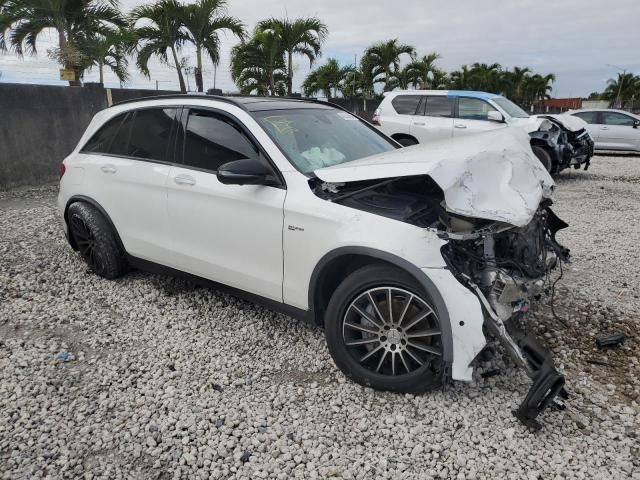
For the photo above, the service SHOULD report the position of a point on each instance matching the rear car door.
(399, 122)
(231, 234)
(434, 119)
(617, 132)
(472, 117)
(128, 162)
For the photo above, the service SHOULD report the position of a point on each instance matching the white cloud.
(575, 39)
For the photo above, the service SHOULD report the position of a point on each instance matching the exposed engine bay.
(505, 266)
(568, 147)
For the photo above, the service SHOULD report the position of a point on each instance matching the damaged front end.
(489, 199)
(507, 269)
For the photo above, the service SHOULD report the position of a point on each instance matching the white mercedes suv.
(407, 256)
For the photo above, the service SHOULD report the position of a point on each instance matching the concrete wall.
(40, 125)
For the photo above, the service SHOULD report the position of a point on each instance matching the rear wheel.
(543, 156)
(96, 240)
(383, 332)
(407, 142)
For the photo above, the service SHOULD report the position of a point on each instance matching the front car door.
(231, 234)
(619, 131)
(128, 162)
(472, 117)
(434, 119)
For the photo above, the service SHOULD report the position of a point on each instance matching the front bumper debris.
(530, 355)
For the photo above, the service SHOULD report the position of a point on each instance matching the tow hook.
(534, 358)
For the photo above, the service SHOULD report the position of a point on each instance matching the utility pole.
(624, 72)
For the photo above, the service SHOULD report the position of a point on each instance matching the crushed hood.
(493, 175)
(570, 122)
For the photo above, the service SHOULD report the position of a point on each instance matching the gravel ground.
(167, 380)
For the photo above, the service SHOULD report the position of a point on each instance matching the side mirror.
(636, 123)
(495, 116)
(248, 171)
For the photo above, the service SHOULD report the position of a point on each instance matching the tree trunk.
(101, 70)
(183, 88)
(198, 72)
(272, 84)
(290, 73)
(62, 43)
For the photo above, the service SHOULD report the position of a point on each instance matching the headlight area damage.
(488, 198)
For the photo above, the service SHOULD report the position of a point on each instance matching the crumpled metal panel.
(493, 175)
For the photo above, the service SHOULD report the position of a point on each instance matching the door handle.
(604, 128)
(419, 123)
(108, 168)
(459, 125)
(184, 180)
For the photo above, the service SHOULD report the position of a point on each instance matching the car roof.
(449, 93)
(571, 112)
(248, 103)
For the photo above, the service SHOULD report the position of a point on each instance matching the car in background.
(612, 129)
(422, 116)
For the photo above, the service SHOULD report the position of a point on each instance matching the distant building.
(595, 103)
(558, 105)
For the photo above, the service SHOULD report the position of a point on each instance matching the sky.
(583, 42)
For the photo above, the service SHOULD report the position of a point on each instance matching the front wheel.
(383, 331)
(544, 157)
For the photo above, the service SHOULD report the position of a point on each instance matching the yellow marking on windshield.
(282, 125)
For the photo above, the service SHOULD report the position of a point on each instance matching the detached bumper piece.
(530, 355)
(547, 381)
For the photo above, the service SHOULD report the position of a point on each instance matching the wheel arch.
(337, 264)
(399, 136)
(97, 206)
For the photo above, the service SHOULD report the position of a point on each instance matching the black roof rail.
(203, 96)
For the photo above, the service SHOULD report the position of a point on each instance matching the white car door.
(593, 125)
(397, 117)
(126, 172)
(472, 117)
(619, 131)
(434, 119)
(231, 234)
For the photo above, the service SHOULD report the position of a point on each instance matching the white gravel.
(167, 380)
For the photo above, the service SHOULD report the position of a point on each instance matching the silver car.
(612, 129)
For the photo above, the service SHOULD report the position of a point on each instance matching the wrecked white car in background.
(422, 116)
(406, 256)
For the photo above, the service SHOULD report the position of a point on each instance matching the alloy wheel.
(87, 244)
(392, 331)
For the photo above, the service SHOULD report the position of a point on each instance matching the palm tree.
(203, 21)
(21, 21)
(622, 90)
(110, 50)
(328, 79)
(384, 60)
(459, 79)
(161, 32)
(537, 88)
(303, 36)
(425, 68)
(513, 83)
(258, 65)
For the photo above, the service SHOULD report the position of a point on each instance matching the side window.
(473, 108)
(212, 140)
(615, 118)
(101, 140)
(439, 106)
(120, 144)
(406, 104)
(150, 133)
(589, 117)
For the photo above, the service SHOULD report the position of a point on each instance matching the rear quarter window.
(100, 142)
(406, 104)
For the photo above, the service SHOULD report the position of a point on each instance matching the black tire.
(407, 142)
(410, 377)
(544, 157)
(96, 241)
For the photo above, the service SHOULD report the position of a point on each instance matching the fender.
(103, 212)
(426, 283)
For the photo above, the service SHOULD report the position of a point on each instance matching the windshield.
(314, 138)
(511, 108)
